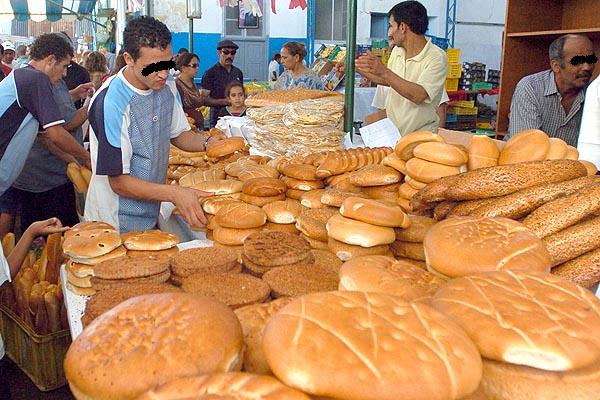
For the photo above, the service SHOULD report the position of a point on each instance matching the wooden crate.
(39, 357)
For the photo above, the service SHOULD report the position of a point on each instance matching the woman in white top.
(589, 133)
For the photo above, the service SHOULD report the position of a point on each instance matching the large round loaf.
(558, 149)
(358, 233)
(374, 212)
(528, 145)
(224, 147)
(241, 216)
(283, 212)
(441, 153)
(482, 152)
(263, 187)
(370, 346)
(406, 145)
(220, 187)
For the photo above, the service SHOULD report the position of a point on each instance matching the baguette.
(74, 174)
(465, 208)
(52, 310)
(435, 191)
(583, 270)
(519, 204)
(574, 241)
(442, 210)
(506, 179)
(563, 212)
(8, 243)
(54, 252)
(86, 174)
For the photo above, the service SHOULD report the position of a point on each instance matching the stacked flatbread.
(277, 97)
(311, 113)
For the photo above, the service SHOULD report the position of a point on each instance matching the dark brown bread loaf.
(519, 204)
(442, 210)
(563, 212)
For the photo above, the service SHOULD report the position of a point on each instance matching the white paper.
(352, 144)
(382, 133)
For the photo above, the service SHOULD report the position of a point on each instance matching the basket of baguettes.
(323, 282)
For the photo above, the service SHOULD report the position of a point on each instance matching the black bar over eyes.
(158, 66)
(589, 59)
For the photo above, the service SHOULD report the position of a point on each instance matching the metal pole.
(121, 22)
(311, 16)
(191, 34)
(350, 55)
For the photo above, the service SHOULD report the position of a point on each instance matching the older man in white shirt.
(589, 133)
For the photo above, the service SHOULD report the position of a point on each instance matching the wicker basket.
(39, 357)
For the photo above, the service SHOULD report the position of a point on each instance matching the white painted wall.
(286, 23)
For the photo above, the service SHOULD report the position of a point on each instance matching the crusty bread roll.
(441, 153)
(413, 251)
(149, 240)
(512, 316)
(406, 191)
(572, 153)
(504, 381)
(358, 233)
(406, 145)
(395, 162)
(351, 329)
(209, 340)
(528, 145)
(482, 152)
(233, 236)
(335, 197)
(117, 252)
(294, 194)
(263, 187)
(312, 199)
(442, 210)
(590, 167)
(427, 172)
(374, 175)
(563, 212)
(224, 147)
(383, 274)
(415, 184)
(558, 149)
(283, 212)
(303, 172)
(583, 270)
(483, 244)
(374, 212)
(417, 229)
(257, 171)
(292, 183)
(261, 201)
(404, 204)
(193, 178)
(240, 216)
(220, 187)
(574, 241)
(91, 243)
(212, 204)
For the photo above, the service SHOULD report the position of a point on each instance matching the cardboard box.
(376, 116)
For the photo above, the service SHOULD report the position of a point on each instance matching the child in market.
(9, 267)
(236, 94)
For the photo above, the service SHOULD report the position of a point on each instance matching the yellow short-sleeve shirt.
(428, 69)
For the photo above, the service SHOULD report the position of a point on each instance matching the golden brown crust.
(283, 212)
(149, 240)
(102, 284)
(264, 187)
(232, 236)
(91, 243)
(86, 226)
(573, 241)
(127, 267)
(417, 229)
(225, 147)
(374, 212)
(375, 175)
(261, 201)
(441, 153)
(406, 145)
(414, 251)
(346, 251)
(528, 145)
(312, 222)
(275, 248)
(303, 172)
(235, 290)
(483, 152)
(203, 259)
(583, 270)
(293, 281)
(240, 216)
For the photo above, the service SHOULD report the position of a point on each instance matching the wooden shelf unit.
(531, 25)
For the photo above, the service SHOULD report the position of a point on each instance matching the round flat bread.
(271, 249)
(258, 270)
(204, 259)
(91, 243)
(149, 240)
(235, 290)
(103, 284)
(86, 226)
(128, 267)
(293, 281)
(118, 252)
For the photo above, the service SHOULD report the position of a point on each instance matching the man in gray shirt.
(552, 100)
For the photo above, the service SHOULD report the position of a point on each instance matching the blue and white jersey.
(26, 103)
(130, 133)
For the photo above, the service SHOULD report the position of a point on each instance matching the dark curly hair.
(50, 44)
(145, 32)
(184, 59)
(96, 62)
(413, 14)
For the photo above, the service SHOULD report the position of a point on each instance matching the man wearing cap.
(216, 78)
(7, 58)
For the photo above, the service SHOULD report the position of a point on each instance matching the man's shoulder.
(537, 80)
(212, 70)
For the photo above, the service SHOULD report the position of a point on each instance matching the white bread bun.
(482, 152)
(225, 147)
(241, 216)
(375, 175)
(528, 145)
(558, 149)
(264, 187)
(91, 243)
(312, 199)
(223, 386)
(572, 153)
(346, 252)
(208, 340)
(383, 274)
(283, 212)
(374, 212)
(220, 187)
(415, 184)
(590, 167)
(406, 145)
(232, 236)
(427, 172)
(441, 153)
(118, 252)
(525, 318)
(358, 233)
(149, 240)
(406, 191)
(505, 381)
(483, 244)
(363, 340)
(395, 162)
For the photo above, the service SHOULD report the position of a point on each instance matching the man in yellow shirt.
(416, 70)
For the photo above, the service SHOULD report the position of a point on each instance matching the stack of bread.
(364, 227)
(282, 215)
(262, 191)
(408, 245)
(424, 157)
(312, 224)
(299, 178)
(264, 251)
(235, 221)
(377, 182)
(203, 260)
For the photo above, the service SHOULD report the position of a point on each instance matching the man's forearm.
(409, 90)
(190, 141)
(135, 188)
(78, 119)
(65, 142)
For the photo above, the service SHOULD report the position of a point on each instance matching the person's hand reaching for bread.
(46, 227)
(187, 201)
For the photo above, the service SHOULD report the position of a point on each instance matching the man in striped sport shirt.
(552, 100)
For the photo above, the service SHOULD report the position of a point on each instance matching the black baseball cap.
(227, 44)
